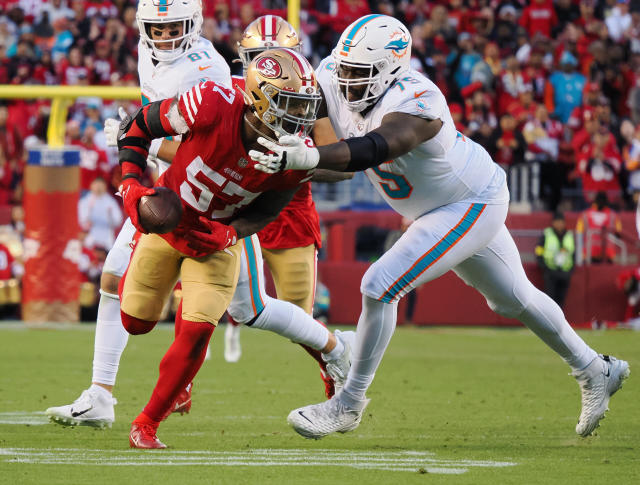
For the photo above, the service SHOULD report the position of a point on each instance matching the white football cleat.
(598, 382)
(339, 368)
(232, 349)
(92, 408)
(318, 420)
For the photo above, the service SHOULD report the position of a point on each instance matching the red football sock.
(144, 419)
(178, 325)
(178, 367)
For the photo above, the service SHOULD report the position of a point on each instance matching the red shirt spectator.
(539, 18)
(93, 161)
(72, 70)
(599, 166)
(589, 101)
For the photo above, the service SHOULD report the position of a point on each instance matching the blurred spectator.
(543, 135)
(57, 9)
(479, 110)
(505, 28)
(74, 70)
(564, 88)
(599, 166)
(555, 253)
(11, 155)
(590, 100)
(512, 83)
(510, 144)
(539, 18)
(629, 282)
(631, 157)
(11, 271)
(619, 20)
(462, 60)
(595, 225)
(99, 215)
(93, 161)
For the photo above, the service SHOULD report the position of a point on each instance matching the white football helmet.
(189, 12)
(378, 49)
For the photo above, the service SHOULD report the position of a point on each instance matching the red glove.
(132, 191)
(218, 237)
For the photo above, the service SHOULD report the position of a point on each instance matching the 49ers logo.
(269, 67)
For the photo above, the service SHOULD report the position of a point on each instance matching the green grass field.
(463, 406)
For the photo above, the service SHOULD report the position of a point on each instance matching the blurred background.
(551, 88)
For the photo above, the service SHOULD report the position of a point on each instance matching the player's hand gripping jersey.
(298, 224)
(447, 168)
(211, 172)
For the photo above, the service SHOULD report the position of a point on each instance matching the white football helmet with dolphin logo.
(375, 44)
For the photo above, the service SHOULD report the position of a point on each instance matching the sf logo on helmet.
(398, 43)
(269, 67)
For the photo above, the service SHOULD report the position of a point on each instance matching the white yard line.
(401, 461)
(36, 418)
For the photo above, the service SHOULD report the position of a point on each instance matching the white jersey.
(445, 169)
(163, 80)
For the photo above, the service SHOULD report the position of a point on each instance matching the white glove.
(290, 153)
(111, 127)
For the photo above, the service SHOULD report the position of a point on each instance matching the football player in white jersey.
(172, 58)
(397, 127)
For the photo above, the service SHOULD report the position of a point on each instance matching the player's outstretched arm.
(398, 134)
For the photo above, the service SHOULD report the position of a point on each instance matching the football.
(161, 212)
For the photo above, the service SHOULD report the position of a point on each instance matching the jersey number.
(393, 184)
(195, 56)
(232, 194)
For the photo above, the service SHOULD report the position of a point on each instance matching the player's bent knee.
(136, 326)
(109, 283)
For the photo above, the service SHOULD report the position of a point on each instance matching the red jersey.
(298, 225)
(212, 172)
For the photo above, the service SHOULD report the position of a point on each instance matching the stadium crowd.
(552, 83)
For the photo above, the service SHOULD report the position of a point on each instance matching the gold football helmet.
(283, 92)
(266, 32)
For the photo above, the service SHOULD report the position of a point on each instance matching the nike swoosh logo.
(80, 413)
(417, 95)
(202, 68)
(300, 413)
(608, 372)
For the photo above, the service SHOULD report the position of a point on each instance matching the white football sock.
(110, 341)
(291, 321)
(375, 327)
(544, 317)
(336, 352)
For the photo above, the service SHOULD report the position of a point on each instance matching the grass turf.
(445, 400)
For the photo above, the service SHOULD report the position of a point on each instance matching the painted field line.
(400, 461)
(34, 418)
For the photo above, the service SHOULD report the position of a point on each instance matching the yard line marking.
(35, 418)
(399, 461)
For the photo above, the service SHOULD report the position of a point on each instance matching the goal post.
(62, 97)
(293, 13)
(51, 249)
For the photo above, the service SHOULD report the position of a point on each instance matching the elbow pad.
(367, 151)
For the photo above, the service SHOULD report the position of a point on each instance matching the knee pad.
(135, 326)
(511, 305)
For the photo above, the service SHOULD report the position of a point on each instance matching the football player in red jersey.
(223, 199)
(289, 244)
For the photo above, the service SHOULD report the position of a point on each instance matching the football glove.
(111, 127)
(290, 153)
(131, 192)
(216, 238)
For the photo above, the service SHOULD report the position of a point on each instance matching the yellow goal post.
(62, 97)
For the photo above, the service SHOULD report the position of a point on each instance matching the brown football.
(161, 212)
